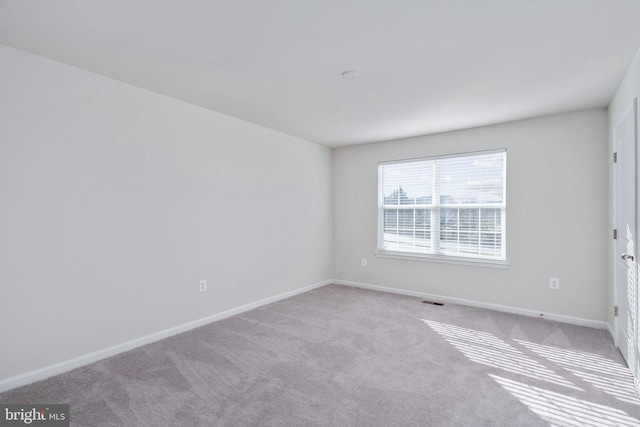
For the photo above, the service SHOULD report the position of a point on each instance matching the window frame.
(438, 207)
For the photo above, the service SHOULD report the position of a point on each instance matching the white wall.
(557, 216)
(116, 201)
(627, 91)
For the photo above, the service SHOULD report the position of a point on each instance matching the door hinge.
(615, 234)
(615, 311)
(615, 157)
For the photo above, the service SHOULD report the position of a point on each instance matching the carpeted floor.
(341, 356)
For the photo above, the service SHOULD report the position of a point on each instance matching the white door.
(625, 262)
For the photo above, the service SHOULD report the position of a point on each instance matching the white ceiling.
(424, 66)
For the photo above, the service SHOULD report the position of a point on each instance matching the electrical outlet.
(203, 285)
(554, 283)
(364, 262)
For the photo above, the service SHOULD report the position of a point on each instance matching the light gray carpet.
(341, 356)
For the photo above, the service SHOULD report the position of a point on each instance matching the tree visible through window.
(450, 206)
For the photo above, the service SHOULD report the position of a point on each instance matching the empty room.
(300, 213)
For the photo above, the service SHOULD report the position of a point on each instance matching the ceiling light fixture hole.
(348, 75)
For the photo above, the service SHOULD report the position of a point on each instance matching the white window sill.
(488, 263)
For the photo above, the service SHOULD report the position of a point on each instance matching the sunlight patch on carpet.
(562, 410)
(487, 349)
(610, 377)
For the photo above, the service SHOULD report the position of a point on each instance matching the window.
(444, 207)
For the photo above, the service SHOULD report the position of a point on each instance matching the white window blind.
(451, 206)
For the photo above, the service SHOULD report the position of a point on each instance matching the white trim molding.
(503, 308)
(77, 362)
(488, 263)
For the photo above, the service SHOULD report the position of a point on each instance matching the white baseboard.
(68, 365)
(610, 329)
(503, 308)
